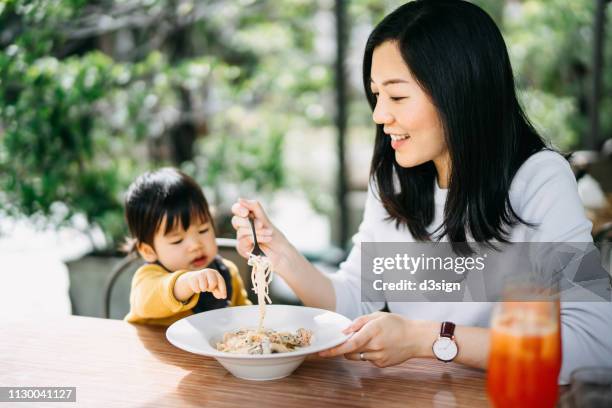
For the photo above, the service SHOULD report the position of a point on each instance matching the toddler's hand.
(204, 280)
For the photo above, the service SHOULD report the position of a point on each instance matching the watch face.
(445, 349)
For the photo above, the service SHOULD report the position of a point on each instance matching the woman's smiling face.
(406, 112)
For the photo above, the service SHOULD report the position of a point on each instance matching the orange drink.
(525, 355)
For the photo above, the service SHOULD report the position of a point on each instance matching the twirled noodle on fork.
(261, 276)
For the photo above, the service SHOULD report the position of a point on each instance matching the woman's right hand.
(270, 239)
(309, 284)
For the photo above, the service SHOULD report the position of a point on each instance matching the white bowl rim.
(213, 352)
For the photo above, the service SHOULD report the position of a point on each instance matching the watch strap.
(447, 330)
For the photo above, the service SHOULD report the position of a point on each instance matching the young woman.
(455, 159)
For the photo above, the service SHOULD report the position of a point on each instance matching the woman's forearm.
(316, 290)
(309, 284)
(472, 343)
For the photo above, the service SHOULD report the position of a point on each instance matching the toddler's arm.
(153, 293)
(205, 280)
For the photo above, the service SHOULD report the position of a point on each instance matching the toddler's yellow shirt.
(152, 298)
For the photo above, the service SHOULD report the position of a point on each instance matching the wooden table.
(114, 364)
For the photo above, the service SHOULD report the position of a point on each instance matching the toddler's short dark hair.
(164, 192)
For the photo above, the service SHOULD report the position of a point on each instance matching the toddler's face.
(192, 249)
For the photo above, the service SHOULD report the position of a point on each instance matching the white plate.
(200, 333)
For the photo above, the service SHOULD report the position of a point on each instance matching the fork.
(256, 249)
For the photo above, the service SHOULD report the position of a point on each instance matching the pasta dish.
(262, 341)
(245, 341)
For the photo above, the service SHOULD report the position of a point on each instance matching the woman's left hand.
(384, 339)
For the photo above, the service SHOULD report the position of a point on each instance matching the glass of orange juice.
(525, 354)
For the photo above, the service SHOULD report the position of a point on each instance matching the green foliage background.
(82, 113)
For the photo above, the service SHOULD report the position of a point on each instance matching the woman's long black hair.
(456, 53)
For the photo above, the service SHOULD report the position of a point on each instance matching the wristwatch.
(445, 347)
